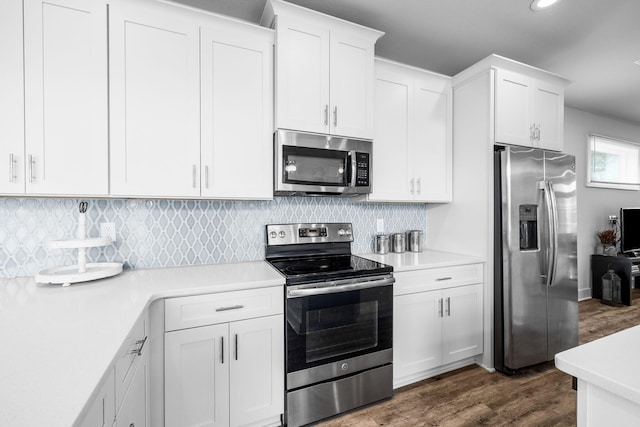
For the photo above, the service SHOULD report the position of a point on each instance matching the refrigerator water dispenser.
(528, 227)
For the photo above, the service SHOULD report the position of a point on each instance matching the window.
(613, 163)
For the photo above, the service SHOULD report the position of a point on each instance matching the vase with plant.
(608, 240)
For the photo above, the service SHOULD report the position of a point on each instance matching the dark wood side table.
(627, 268)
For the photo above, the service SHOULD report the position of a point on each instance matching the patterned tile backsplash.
(166, 233)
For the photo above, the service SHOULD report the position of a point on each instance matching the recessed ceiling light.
(542, 4)
(637, 62)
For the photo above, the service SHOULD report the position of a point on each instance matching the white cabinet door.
(352, 88)
(197, 377)
(462, 325)
(66, 97)
(236, 120)
(302, 85)
(133, 412)
(417, 331)
(391, 171)
(257, 370)
(11, 99)
(155, 101)
(548, 101)
(101, 412)
(433, 142)
(513, 115)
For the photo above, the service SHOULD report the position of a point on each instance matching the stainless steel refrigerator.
(535, 271)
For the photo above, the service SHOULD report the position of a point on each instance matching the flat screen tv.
(630, 231)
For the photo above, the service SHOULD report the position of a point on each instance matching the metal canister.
(382, 243)
(398, 242)
(415, 240)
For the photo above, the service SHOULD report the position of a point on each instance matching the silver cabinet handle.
(236, 346)
(141, 343)
(222, 350)
(231, 307)
(419, 186)
(32, 163)
(440, 307)
(440, 279)
(194, 172)
(448, 306)
(206, 177)
(326, 114)
(335, 116)
(538, 132)
(12, 168)
(412, 185)
(532, 132)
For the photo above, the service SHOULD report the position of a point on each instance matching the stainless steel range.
(339, 326)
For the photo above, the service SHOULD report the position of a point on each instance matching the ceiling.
(593, 43)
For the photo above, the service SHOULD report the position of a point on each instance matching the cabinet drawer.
(200, 310)
(408, 282)
(128, 359)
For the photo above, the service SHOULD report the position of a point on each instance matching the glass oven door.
(329, 327)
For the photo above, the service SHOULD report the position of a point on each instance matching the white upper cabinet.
(324, 71)
(528, 111)
(412, 159)
(65, 89)
(155, 100)
(392, 167)
(351, 85)
(302, 77)
(237, 122)
(11, 99)
(433, 146)
(191, 104)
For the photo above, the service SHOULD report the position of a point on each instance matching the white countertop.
(608, 363)
(57, 342)
(407, 261)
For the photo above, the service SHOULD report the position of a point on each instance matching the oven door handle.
(332, 288)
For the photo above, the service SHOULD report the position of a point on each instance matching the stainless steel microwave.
(314, 164)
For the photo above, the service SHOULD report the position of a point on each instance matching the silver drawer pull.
(440, 279)
(233, 307)
(141, 343)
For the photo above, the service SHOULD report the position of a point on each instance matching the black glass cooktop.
(320, 268)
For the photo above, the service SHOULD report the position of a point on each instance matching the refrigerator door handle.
(552, 218)
(554, 234)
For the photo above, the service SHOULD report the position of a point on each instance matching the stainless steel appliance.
(338, 328)
(536, 291)
(314, 164)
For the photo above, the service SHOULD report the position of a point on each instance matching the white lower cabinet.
(437, 321)
(101, 411)
(122, 399)
(225, 374)
(135, 407)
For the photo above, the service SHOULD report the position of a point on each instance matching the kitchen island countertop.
(57, 342)
(609, 364)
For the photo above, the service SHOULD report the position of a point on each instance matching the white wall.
(594, 204)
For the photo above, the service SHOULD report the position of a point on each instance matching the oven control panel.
(291, 234)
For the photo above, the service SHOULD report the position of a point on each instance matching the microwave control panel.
(362, 169)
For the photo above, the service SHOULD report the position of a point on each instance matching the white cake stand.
(83, 271)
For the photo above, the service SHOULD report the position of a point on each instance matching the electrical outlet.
(108, 230)
(380, 225)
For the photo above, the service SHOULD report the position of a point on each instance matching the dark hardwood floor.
(471, 396)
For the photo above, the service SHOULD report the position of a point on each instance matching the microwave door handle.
(352, 168)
